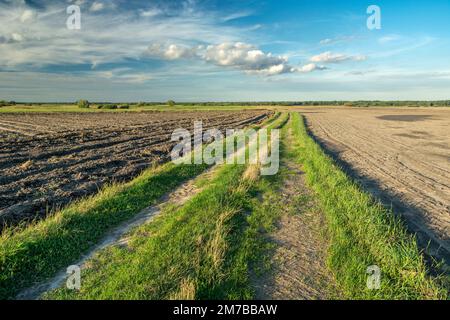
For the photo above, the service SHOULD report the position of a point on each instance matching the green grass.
(363, 232)
(199, 251)
(186, 253)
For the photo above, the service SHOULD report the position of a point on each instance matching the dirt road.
(402, 156)
(299, 270)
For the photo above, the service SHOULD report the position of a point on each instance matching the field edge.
(363, 233)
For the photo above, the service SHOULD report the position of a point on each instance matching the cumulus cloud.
(170, 52)
(329, 57)
(310, 68)
(246, 57)
(237, 55)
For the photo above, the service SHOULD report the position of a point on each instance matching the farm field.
(50, 159)
(401, 155)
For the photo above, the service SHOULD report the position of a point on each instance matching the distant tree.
(83, 104)
(171, 103)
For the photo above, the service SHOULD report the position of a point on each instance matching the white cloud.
(16, 37)
(171, 52)
(105, 37)
(237, 55)
(326, 41)
(27, 15)
(235, 16)
(329, 57)
(151, 12)
(243, 56)
(123, 75)
(97, 6)
(329, 41)
(77, 2)
(109, 37)
(310, 68)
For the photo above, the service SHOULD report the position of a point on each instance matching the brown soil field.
(49, 160)
(400, 155)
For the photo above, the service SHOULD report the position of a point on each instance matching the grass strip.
(38, 251)
(45, 247)
(199, 251)
(362, 232)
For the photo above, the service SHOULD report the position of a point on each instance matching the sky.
(217, 50)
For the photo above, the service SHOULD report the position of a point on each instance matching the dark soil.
(49, 160)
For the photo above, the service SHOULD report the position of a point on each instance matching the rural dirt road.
(299, 257)
(402, 156)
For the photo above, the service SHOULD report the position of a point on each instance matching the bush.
(125, 106)
(110, 107)
(84, 104)
(171, 103)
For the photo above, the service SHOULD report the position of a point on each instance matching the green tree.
(171, 103)
(83, 104)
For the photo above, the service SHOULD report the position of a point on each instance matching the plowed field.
(401, 155)
(48, 160)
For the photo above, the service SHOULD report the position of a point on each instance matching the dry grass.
(186, 291)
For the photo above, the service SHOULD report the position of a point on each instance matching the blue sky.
(199, 50)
